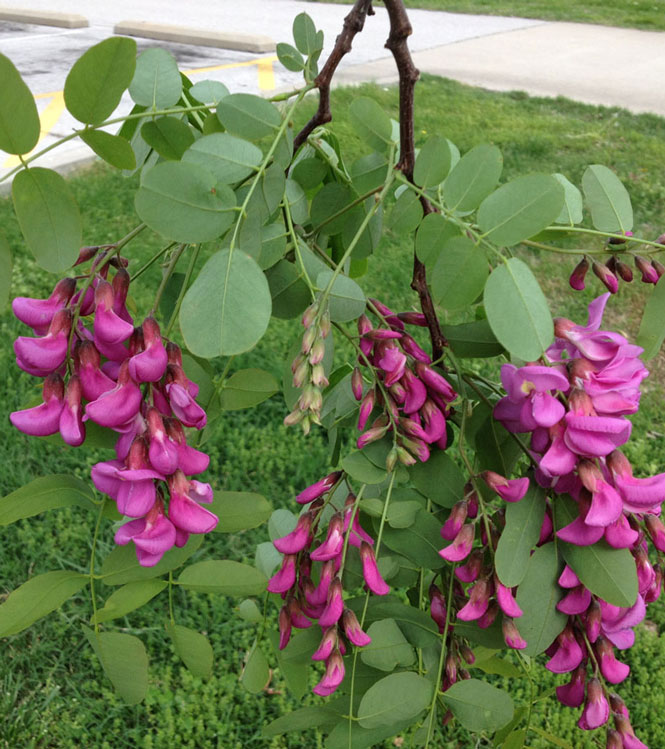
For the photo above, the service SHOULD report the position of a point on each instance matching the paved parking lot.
(44, 54)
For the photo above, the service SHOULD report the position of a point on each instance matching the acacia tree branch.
(353, 24)
(400, 30)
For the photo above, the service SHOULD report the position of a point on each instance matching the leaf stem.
(442, 657)
(93, 549)
(183, 290)
(167, 274)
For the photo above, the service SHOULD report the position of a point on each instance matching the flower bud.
(317, 351)
(606, 276)
(658, 267)
(576, 279)
(649, 274)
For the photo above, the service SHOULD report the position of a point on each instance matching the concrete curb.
(200, 37)
(44, 18)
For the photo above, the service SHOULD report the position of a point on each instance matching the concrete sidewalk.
(593, 64)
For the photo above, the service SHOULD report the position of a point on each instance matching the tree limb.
(353, 24)
(400, 30)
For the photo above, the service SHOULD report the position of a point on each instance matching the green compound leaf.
(388, 648)
(290, 58)
(125, 662)
(129, 598)
(227, 158)
(361, 468)
(329, 200)
(572, 211)
(248, 116)
(19, 118)
(419, 542)
(537, 596)
(247, 388)
(121, 565)
(48, 216)
(304, 34)
(608, 199)
(227, 309)
(433, 162)
(520, 209)
(371, 124)
(479, 706)
(193, 647)
(406, 214)
(183, 202)
(521, 533)
(169, 136)
(223, 576)
(301, 720)
(652, 327)
(473, 340)
(99, 78)
(290, 294)
(157, 83)
(114, 149)
(256, 674)
(459, 274)
(45, 493)
(208, 92)
(36, 598)
(439, 479)
(346, 301)
(473, 178)
(433, 233)
(394, 698)
(239, 511)
(517, 310)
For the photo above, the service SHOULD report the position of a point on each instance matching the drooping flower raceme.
(126, 379)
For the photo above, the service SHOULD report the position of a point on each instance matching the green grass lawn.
(635, 14)
(52, 692)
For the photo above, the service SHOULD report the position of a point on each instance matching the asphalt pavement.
(594, 64)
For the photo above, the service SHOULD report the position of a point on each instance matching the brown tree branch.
(353, 24)
(400, 30)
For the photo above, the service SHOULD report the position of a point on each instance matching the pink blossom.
(568, 654)
(572, 694)
(44, 419)
(461, 546)
(333, 675)
(38, 313)
(371, 573)
(153, 535)
(318, 489)
(150, 364)
(353, 631)
(511, 490)
(116, 407)
(596, 708)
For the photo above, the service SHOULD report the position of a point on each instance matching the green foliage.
(234, 327)
(99, 78)
(19, 119)
(523, 522)
(517, 310)
(48, 216)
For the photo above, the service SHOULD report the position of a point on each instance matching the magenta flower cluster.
(99, 367)
(306, 601)
(413, 396)
(575, 408)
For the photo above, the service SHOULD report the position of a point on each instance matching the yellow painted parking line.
(50, 115)
(228, 65)
(266, 75)
(48, 119)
